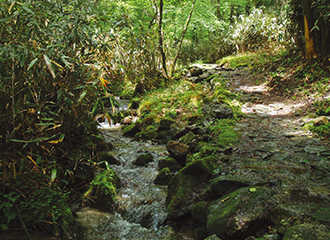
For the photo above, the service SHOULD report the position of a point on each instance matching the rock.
(196, 72)
(320, 121)
(224, 185)
(204, 75)
(165, 136)
(131, 130)
(185, 187)
(169, 162)
(213, 237)
(106, 157)
(163, 177)
(199, 212)
(194, 119)
(134, 104)
(165, 124)
(103, 189)
(143, 159)
(179, 151)
(239, 213)
(190, 139)
(284, 212)
(217, 110)
(307, 231)
(148, 133)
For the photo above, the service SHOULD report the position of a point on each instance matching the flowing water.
(141, 211)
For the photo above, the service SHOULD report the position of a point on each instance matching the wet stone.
(307, 231)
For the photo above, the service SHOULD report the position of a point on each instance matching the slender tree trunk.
(308, 23)
(181, 39)
(160, 38)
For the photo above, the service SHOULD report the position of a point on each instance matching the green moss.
(307, 231)
(103, 188)
(132, 129)
(164, 176)
(226, 212)
(144, 159)
(183, 186)
(199, 212)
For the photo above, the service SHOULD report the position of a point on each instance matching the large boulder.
(240, 213)
(178, 151)
(185, 187)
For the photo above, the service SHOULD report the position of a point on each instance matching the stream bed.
(141, 205)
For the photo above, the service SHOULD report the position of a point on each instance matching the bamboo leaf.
(32, 63)
(65, 61)
(82, 95)
(27, 9)
(11, 6)
(49, 65)
(54, 173)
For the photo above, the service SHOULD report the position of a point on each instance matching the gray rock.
(165, 124)
(178, 151)
(307, 231)
(217, 110)
(234, 215)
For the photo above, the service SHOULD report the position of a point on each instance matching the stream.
(141, 205)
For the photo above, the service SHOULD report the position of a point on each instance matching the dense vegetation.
(62, 62)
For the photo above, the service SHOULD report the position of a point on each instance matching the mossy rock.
(163, 177)
(103, 189)
(307, 231)
(184, 186)
(200, 232)
(148, 133)
(213, 237)
(106, 157)
(150, 120)
(224, 185)
(165, 136)
(169, 162)
(190, 139)
(143, 159)
(194, 119)
(199, 212)
(165, 124)
(131, 130)
(225, 218)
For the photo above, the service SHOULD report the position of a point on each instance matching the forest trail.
(274, 142)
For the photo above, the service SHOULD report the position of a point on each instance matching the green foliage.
(49, 93)
(7, 208)
(45, 207)
(259, 30)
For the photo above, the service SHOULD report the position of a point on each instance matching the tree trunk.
(308, 23)
(160, 38)
(182, 37)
